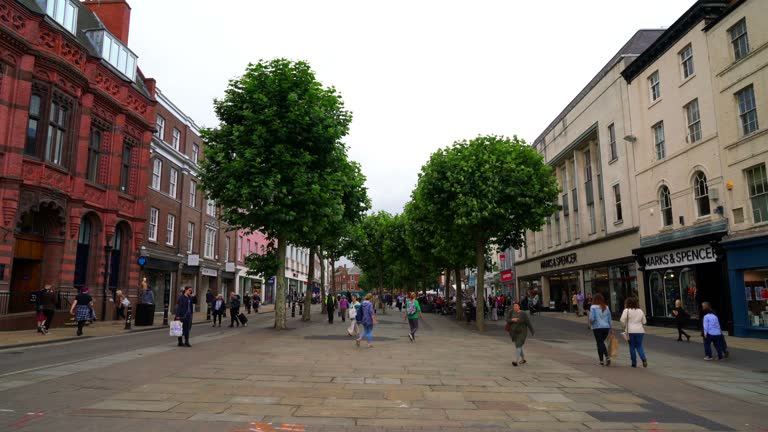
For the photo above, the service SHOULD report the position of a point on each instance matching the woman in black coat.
(681, 316)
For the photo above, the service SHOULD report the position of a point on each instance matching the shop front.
(748, 277)
(690, 272)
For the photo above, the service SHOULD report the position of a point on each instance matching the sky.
(417, 75)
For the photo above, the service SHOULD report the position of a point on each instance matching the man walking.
(330, 304)
(234, 309)
(184, 314)
(713, 334)
(412, 314)
(343, 305)
(256, 302)
(48, 305)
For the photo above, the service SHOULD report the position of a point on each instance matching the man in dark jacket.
(184, 309)
(47, 302)
(234, 309)
(330, 304)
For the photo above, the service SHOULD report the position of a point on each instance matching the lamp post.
(107, 259)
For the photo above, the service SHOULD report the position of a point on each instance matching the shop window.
(671, 292)
(656, 288)
(688, 291)
(756, 291)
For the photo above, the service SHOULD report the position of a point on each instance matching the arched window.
(701, 193)
(665, 202)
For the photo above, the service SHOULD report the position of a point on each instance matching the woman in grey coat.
(519, 324)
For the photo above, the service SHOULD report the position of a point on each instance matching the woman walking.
(633, 319)
(353, 329)
(219, 306)
(681, 316)
(600, 320)
(412, 314)
(81, 309)
(369, 320)
(343, 306)
(519, 324)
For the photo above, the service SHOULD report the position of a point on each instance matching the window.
(117, 54)
(747, 110)
(63, 12)
(170, 229)
(172, 182)
(125, 167)
(665, 202)
(57, 131)
(701, 193)
(210, 208)
(192, 193)
(226, 249)
(617, 200)
(157, 172)
(33, 124)
(592, 221)
(190, 236)
(557, 228)
(758, 192)
(247, 247)
(694, 121)
(655, 86)
(176, 139)
(587, 166)
(94, 146)
(686, 61)
(195, 153)
(612, 142)
(160, 127)
(153, 216)
(210, 240)
(739, 40)
(239, 248)
(658, 139)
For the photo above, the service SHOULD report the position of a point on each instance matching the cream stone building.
(587, 245)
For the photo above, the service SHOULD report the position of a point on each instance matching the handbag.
(176, 328)
(625, 334)
(508, 327)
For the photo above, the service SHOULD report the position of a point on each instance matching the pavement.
(312, 377)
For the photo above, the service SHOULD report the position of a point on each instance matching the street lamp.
(107, 259)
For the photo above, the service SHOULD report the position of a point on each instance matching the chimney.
(115, 14)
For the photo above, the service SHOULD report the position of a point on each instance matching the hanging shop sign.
(209, 272)
(507, 276)
(680, 257)
(562, 260)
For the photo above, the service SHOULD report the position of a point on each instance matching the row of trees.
(470, 197)
(276, 163)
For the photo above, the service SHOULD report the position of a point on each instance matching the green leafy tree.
(367, 247)
(266, 164)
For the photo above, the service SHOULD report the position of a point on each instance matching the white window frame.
(154, 215)
(618, 214)
(659, 140)
(195, 152)
(176, 139)
(701, 193)
(157, 173)
(758, 192)
(693, 120)
(686, 62)
(63, 12)
(192, 194)
(210, 207)
(739, 39)
(612, 142)
(173, 182)
(665, 204)
(160, 127)
(654, 86)
(210, 240)
(170, 230)
(226, 248)
(239, 248)
(747, 106)
(190, 236)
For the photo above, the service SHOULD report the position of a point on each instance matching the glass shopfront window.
(756, 290)
(615, 283)
(668, 286)
(561, 288)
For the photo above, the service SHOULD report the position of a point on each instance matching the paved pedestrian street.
(314, 378)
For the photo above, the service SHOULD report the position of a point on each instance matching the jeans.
(636, 347)
(343, 315)
(413, 323)
(600, 335)
(367, 333)
(186, 326)
(519, 354)
(353, 327)
(718, 341)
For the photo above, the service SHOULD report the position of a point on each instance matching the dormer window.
(63, 12)
(114, 52)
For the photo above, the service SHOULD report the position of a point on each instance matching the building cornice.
(176, 111)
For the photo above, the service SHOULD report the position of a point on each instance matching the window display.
(756, 291)
(675, 284)
(615, 283)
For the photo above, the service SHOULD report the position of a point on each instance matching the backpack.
(410, 308)
(359, 314)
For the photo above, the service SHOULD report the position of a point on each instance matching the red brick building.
(76, 122)
(347, 279)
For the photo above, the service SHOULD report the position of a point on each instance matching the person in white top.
(632, 319)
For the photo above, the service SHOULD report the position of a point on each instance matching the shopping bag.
(176, 328)
(613, 346)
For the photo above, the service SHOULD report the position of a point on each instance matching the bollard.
(293, 310)
(128, 316)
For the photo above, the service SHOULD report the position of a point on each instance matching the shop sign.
(193, 260)
(560, 261)
(507, 276)
(680, 257)
(209, 272)
(230, 267)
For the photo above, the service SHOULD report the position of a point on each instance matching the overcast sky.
(416, 74)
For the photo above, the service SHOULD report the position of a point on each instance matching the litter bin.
(145, 314)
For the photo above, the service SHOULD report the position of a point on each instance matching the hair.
(412, 295)
(599, 300)
(369, 296)
(706, 307)
(119, 293)
(678, 303)
(631, 303)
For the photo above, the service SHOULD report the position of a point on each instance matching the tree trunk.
(459, 296)
(424, 280)
(381, 288)
(447, 282)
(323, 309)
(280, 318)
(310, 281)
(322, 272)
(480, 283)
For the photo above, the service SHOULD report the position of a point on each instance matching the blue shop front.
(748, 278)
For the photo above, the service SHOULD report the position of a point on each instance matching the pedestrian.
(256, 302)
(353, 329)
(343, 306)
(600, 321)
(681, 316)
(234, 309)
(218, 307)
(633, 319)
(122, 304)
(713, 334)
(209, 298)
(494, 307)
(412, 314)
(368, 319)
(81, 309)
(330, 304)
(36, 297)
(579, 304)
(247, 301)
(399, 303)
(518, 326)
(48, 306)
(184, 310)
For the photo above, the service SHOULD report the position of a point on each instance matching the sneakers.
(514, 364)
(602, 364)
(708, 358)
(607, 361)
(523, 361)
(410, 336)
(645, 363)
(727, 354)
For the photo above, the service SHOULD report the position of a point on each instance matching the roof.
(733, 5)
(701, 10)
(634, 47)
